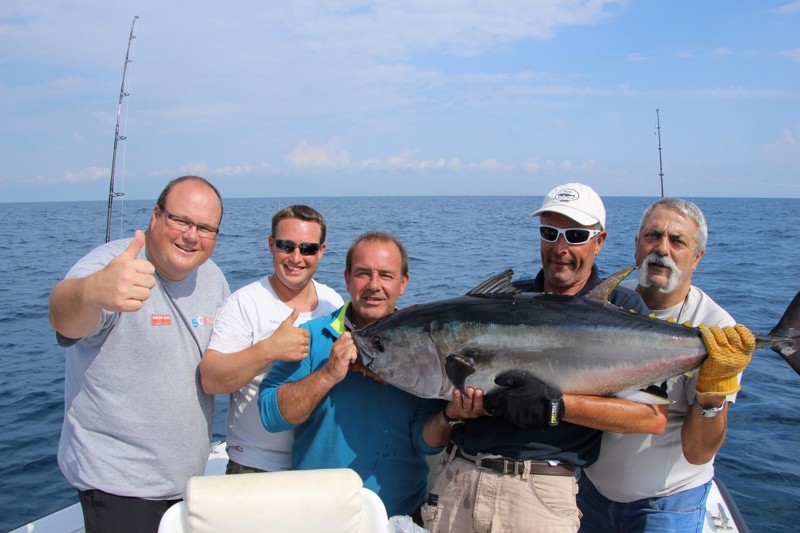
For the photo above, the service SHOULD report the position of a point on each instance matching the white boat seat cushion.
(328, 500)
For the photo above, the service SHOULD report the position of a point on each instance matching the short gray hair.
(687, 209)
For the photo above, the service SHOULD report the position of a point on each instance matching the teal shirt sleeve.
(322, 334)
(424, 409)
(280, 373)
(271, 415)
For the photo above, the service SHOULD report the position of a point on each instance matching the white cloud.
(635, 57)
(791, 7)
(793, 54)
(82, 176)
(721, 52)
(306, 155)
(788, 141)
(194, 169)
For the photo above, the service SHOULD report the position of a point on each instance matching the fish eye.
(377, 343)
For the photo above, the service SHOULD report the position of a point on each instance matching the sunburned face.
(567, 267)
(666, 251)
(375, 280)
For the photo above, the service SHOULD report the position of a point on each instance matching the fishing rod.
(660, 167)
(117, 137)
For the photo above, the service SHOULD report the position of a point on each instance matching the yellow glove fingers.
(747, 339)
(729, 351)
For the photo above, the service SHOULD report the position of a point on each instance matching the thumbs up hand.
(125, 283)
(288, 342)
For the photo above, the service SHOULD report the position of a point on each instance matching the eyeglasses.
(184, 224)
(571, 235)
(306, 248)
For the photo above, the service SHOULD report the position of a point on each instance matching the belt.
(511, 467)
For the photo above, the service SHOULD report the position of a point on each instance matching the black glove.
(524, 400)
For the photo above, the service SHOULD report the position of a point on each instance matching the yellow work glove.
(729, 351)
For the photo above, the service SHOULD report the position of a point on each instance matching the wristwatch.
(452, 422)
(708, 412)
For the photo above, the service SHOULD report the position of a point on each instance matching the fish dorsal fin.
(499, 284)
(601, 292)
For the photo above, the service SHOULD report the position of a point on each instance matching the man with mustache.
(660, 482)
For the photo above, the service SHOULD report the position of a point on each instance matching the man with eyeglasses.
(257, 326)
(661, 482)
(345, 419)
(135, 316)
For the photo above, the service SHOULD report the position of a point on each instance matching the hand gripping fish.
(579, 344)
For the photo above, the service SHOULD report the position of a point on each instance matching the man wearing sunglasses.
(661, 482)
(135, 316)
(516, 470)
(257, 326)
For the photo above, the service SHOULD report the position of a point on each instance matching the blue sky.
(341, 98)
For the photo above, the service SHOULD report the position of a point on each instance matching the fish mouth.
(364, 357)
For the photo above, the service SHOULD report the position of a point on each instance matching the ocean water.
(751, 268)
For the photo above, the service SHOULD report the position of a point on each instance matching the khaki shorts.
(467, 498)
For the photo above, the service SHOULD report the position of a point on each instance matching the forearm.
(297, 399)
(702, 437)
(614, 414)
(223, 373)
(72, 312)
(436, 432)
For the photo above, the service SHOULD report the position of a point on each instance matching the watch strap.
(452, 422)
(708, 412)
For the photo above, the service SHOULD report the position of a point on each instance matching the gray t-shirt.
(136, 420)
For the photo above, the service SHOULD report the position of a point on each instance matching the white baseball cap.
(576, 201)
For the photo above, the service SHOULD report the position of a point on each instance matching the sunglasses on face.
(306, 248)
(571, 235)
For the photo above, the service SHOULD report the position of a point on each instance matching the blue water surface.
(751, 268)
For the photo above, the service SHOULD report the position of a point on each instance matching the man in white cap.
(515, 471)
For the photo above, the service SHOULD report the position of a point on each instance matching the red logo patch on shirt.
(160, 320)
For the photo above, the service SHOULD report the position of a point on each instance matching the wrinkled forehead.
(670, 221)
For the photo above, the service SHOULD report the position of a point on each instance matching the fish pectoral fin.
(458, 368)
(643, 396)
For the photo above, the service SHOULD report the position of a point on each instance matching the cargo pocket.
(430, 512)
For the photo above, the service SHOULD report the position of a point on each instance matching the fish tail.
(783, 338)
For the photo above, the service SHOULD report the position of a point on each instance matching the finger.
(145, 267)
(144, 276)
(292, 317)
(133, 249)
(732, 337)
(748, 339)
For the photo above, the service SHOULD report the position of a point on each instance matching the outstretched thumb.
(133, 249)
(292, 317)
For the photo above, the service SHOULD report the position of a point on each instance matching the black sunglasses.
(571, 235)
(306, 248)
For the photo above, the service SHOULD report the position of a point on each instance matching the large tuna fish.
(580, 344)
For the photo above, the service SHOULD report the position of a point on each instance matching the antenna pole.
(660, 167)
(117, 137)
